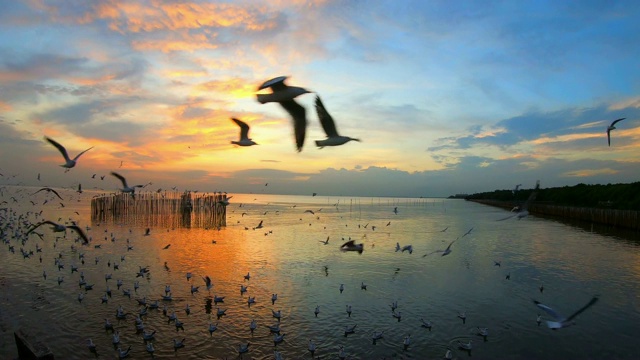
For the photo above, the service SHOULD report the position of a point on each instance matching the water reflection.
(292, 262)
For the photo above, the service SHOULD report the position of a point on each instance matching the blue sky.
(447, 97)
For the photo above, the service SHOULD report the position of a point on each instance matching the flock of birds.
(19, 227)
(285, 95)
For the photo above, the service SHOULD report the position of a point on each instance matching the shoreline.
(628, 219)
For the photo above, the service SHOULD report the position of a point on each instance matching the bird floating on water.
(329, 127)
(69, 163)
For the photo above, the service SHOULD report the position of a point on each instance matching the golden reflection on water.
(287, 258)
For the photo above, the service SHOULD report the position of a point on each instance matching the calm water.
(287, 258)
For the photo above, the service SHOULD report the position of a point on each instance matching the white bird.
(221, 312)
(124, 353)
(466, 346)
(312, 347)
(274, 297)
(350, 329)
(178, 343)
(397, 315)
(444, 252)
(341, 288)
(274, 328)
(189, 275)
(251, 300)
(448, 355)
(329, 127)
(69, 163)
(377, 335)
(244, 134)
(426, 324)
(406, 342)
(352, 246)
(108, 325)
(247, 277)
(277, 355)
(116, 338)
(91, 345)
(278, 338)
(326, 242)
(276, 314)
(212, 328)
(462, 315)
(349, 310)
(523, 211)
(253, 325)
(207, 281)
(609, 128)
(483, 331)
(126, 188)
(243, 348)
(217, 299)
(341, 353)
(317, 310)
(561, 321)
(285, 95)
(148, 335)
(539, 319)
(150, 348)
(61, 228)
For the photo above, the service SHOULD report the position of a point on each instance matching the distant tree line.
(614, 196)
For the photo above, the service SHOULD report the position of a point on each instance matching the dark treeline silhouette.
(612, 196)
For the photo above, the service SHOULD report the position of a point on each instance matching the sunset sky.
(447, 96)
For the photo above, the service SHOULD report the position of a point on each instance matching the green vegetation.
(613, 196)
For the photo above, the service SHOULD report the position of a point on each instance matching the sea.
(492, 275)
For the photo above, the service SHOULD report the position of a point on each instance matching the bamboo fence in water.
(165, 209)
(629, 219)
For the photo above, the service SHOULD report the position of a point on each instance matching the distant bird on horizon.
(329, 127)
(244, 134)
(285, 95)
(69, 163)
(612, 127)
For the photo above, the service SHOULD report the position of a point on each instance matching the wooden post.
(30, 348)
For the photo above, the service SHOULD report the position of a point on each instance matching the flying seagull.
(329, 126)
(524, 209)
(125, 187)
(612, 127)
(562, 322)
(68, 162)
(444, 252)
(61, 228)
(284, 95)
(47, 189)
(244, 134)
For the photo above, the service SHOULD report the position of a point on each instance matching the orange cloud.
(590, 172)
(4, 106)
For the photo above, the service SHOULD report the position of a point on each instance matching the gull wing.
(508, 217)
(50, 190)
(326, 120)
(275, 84)
(244, 128)
(609, 137)
(299, 116)
(449, 247)
(84, 237)
(433, 252)
(582, 309)
(60, 148)
(617, 121)
(349, 243)
(40, 224)
(77, 156)
(549, 311)
(122, 179)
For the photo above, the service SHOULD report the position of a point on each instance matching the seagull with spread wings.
(612, 127)
(50, 190)
(244, 134)
(561, 321)
(61, 228)
(329, 127)
(125, 188)
(69, 163)
(444, 252)
(285, 95)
